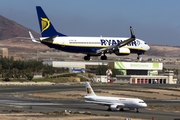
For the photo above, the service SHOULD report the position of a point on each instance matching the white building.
(144, 79)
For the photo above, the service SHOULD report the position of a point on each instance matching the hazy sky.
(155, 21)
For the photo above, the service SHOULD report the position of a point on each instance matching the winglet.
(89, 90)
(32, 38)
(132, 33)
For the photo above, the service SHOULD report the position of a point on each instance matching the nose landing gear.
(138, 57)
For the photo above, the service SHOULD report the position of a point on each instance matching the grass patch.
(66, 75)
(131, 90)
(172, 95)
(42, 80)
(30, 107)
(163, 88)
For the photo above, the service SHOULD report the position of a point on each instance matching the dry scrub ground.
(30, 116)
(142, 93)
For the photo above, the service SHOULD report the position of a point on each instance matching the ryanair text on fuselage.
(109, 42)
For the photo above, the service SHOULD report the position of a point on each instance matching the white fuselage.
(124, 102)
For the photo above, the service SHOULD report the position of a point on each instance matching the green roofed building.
(137, 68)
(142, 73)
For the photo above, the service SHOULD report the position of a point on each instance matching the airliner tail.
(46, 27)
(89, 90)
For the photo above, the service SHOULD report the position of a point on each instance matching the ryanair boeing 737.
(91, 46)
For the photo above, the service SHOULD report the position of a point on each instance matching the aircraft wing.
(105, 103)
(120, 44)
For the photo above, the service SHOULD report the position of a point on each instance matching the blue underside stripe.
(75, 49)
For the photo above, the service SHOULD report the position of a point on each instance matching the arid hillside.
(164, 51)
(11, 29)
(22, 45)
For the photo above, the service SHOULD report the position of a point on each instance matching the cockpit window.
(145, 43)
(141, 102)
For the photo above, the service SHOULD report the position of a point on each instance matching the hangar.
(90, 66)
(74, 64)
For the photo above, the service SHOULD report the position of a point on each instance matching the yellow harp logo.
(89, 90)
(45, 23)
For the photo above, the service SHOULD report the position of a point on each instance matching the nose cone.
(144, 105)
(147, 47)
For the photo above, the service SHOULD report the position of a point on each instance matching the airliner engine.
(122, 51)
(115, 107)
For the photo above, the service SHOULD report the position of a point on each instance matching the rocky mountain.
(11, 29)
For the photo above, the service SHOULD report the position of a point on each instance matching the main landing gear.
(87, 58)
(109, 109)
(104, 57)
(137, 110)
(122, 109)
(117, 108)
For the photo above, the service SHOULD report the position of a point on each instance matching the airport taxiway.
(66, 87)
(10, 100)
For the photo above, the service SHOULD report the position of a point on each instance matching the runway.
(8, 101)
(61, 87)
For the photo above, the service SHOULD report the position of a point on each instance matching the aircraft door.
(63, 42)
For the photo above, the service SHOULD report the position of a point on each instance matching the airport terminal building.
(142, 73)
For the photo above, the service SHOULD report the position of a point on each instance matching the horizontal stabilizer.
(34, 39)
(49, 39)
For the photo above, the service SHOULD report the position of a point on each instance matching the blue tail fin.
(46, 27)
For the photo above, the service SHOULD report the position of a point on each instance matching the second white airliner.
(91, 46)
(113, 103)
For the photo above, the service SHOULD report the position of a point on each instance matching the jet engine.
(122, 51)
(115, 107)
